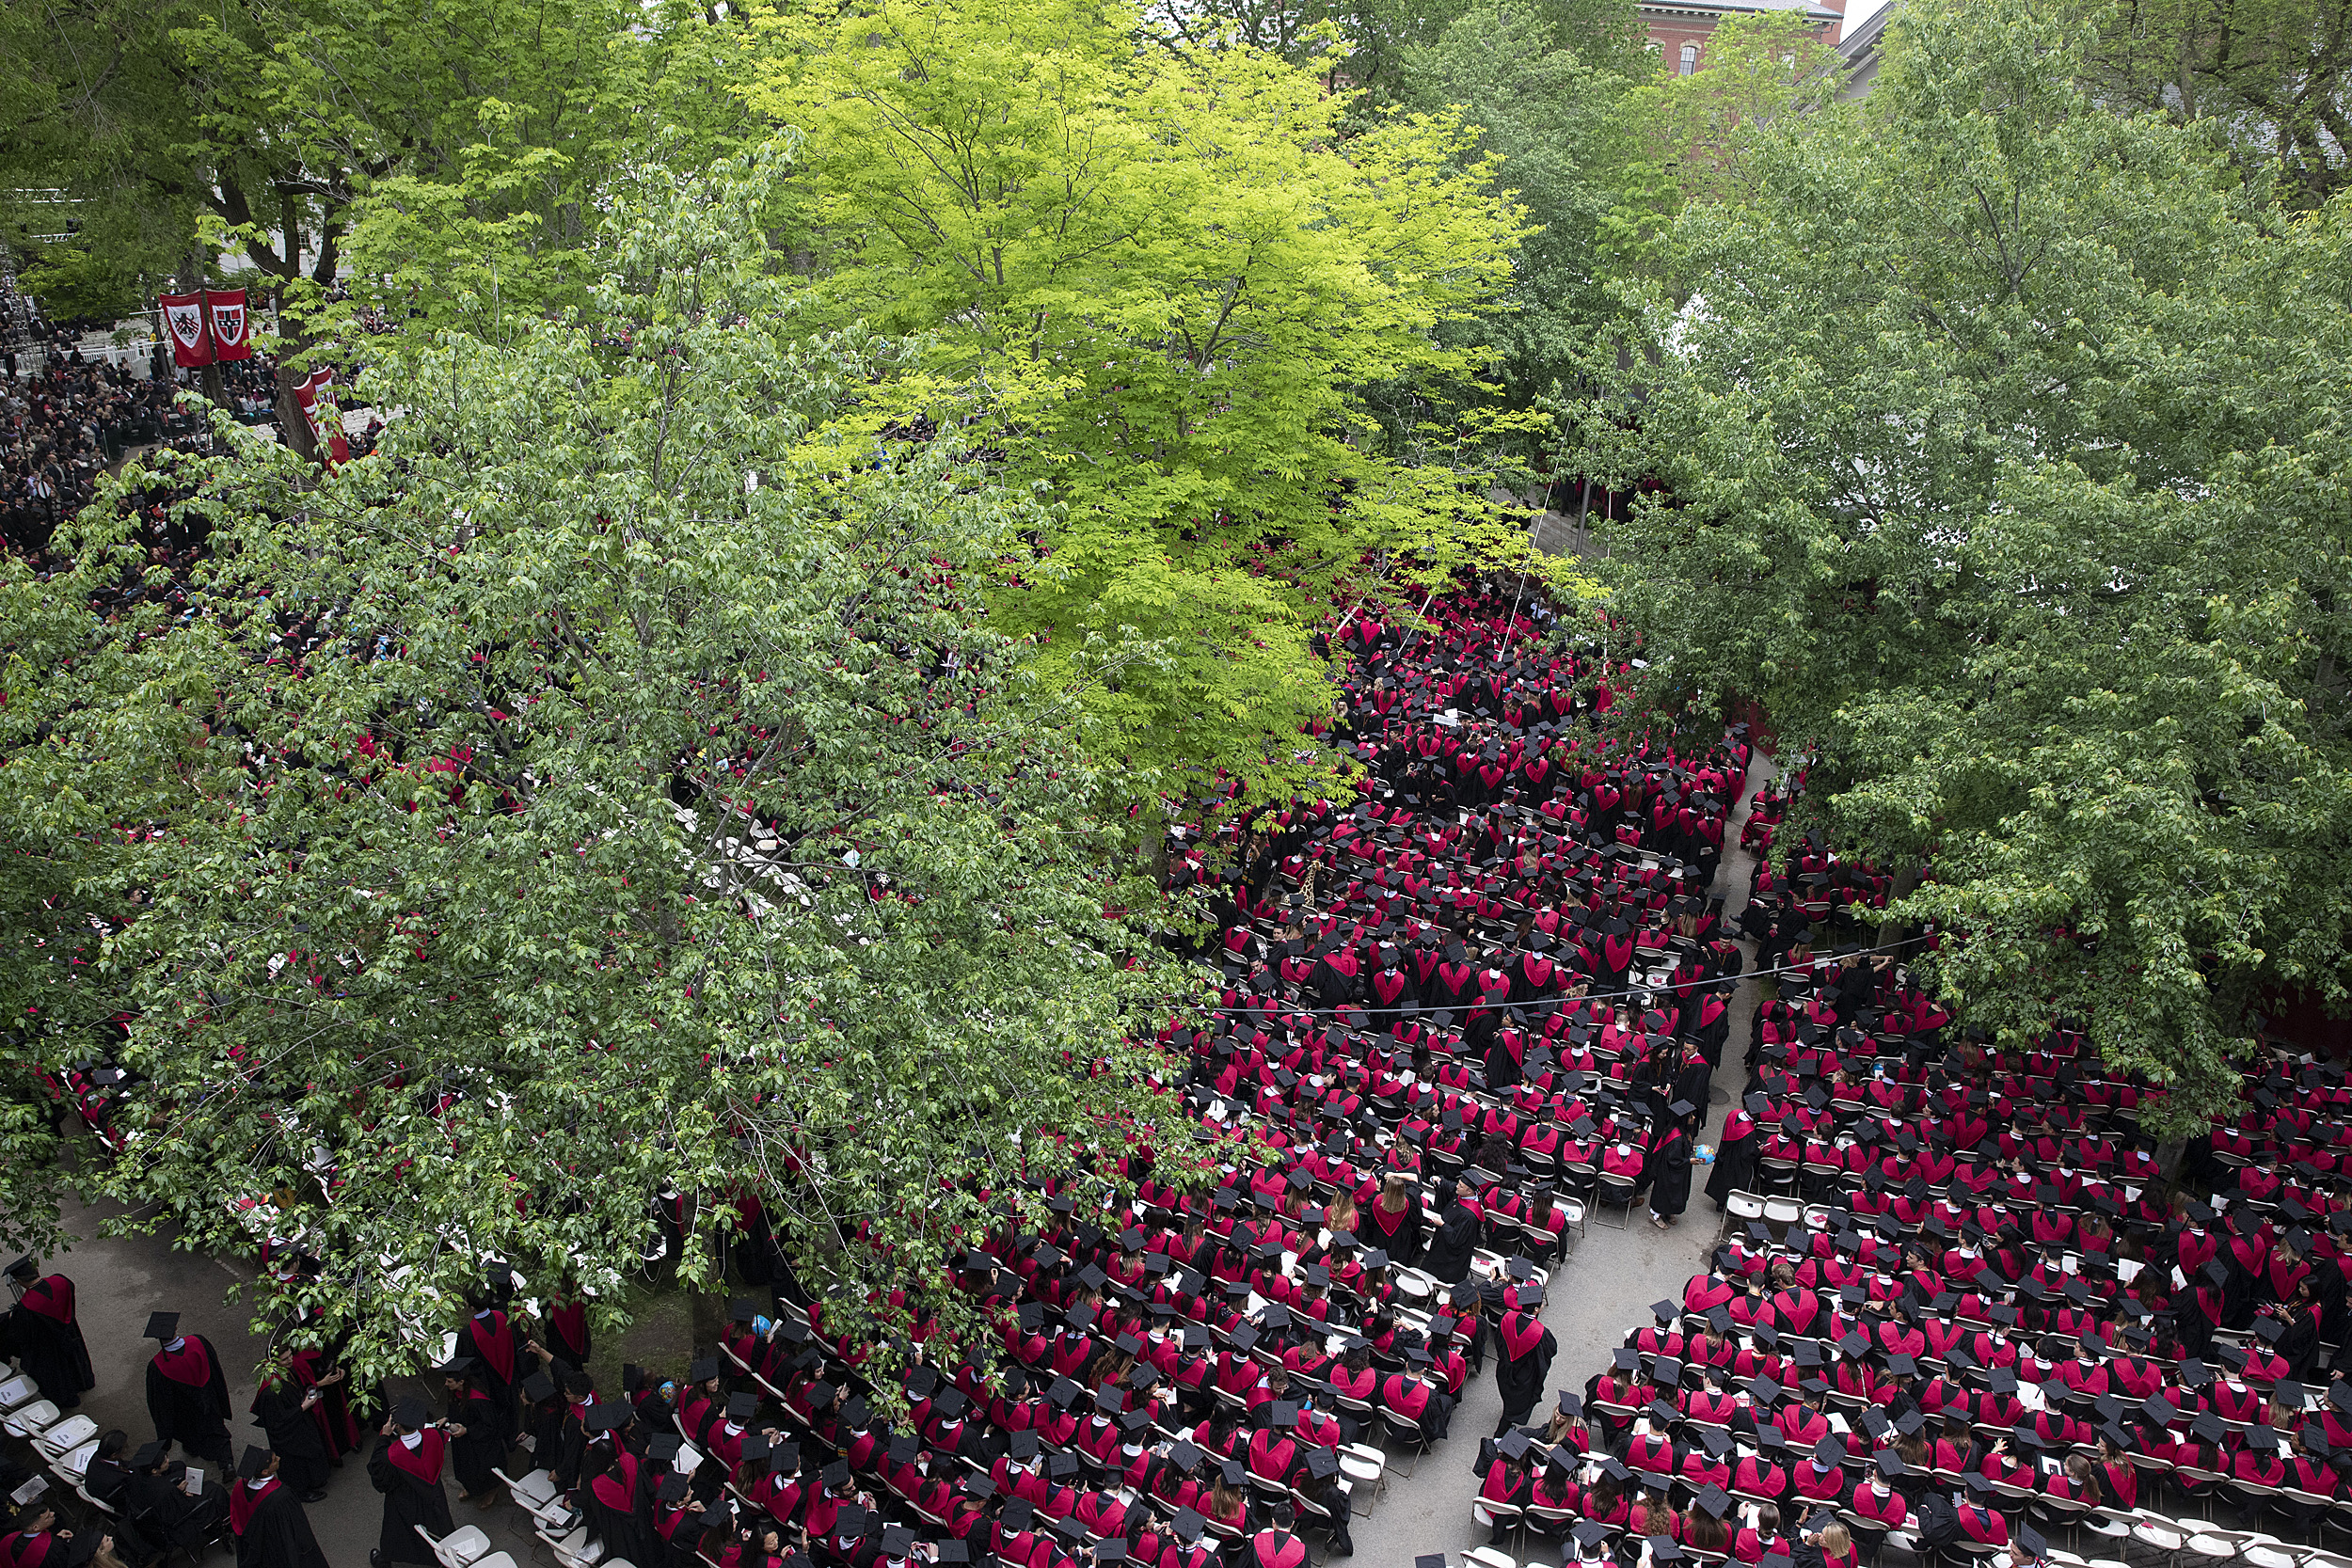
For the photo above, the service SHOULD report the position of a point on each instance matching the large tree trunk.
(292, 424)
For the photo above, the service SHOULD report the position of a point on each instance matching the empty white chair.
(1366, 1470)
(535, 1490)
(17, 1390)
(574, 1550)
(460, 1548)
(27, 1420)
(1486, 1557)
(56, 1442)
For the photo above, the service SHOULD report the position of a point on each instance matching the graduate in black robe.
(405, 1467)
(186, 1395)
(266, 1518)
(47, 1340)
(617, 1494)
(1524, 1349)
(281, 1408)
(34, 1541)
(107, 1477)
(568, 1340)
(1669, 1167)
(158, 1496)
(1694, 1078)
(506, 1359)
(1735, 1157)
(476, 1447)
(544, 1417)
(1454, 1241)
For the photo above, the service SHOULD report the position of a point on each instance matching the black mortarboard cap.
(162, 1325)
(255, 1461)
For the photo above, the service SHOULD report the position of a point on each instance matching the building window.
(1690, 59)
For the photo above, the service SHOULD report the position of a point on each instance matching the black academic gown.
(474, 1456)
(409, 1498)
(49, 1345)
(276, 1533)
(1735, 1168)
(502, 1363)
(1451, 1247)
(294, 1437)
(183, 1520)
(25, 1549)
(194, 1415)
(618, 1504)
(1521, 1367)
(1670, 1175)
(109, 1481)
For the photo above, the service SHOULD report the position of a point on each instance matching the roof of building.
(1717, 9)
(1861, 41)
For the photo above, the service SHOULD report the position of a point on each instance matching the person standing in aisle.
(41, 1330)
(1524, 1349)
(186, 1395)
(406, 1468)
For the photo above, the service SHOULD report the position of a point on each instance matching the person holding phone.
(405, 1467)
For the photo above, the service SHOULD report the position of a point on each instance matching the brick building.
(1678, 28)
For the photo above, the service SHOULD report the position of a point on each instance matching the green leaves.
(2004, 463)
(546, 812)
(1164, 281)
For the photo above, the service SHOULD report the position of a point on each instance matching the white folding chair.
(27, 1420)
(1366, 1471)
(56, 1442)
(574, 1550)
(74, 1464)
(460, 1548)
(536, 1493)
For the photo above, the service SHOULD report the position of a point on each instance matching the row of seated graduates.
(2024, 1410)
(1102, 1414)
(1408, 890)
(2042, 1149)
(1961, 1339)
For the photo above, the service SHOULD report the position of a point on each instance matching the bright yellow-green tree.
(1161, 282)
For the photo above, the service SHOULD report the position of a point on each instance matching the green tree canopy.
(612, 783)
(1165, 280)
(1548, 108)
(2271, 78)
(2002, 453)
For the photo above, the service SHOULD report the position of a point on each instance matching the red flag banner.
(232, 324)
(326, 423)
(183, 319)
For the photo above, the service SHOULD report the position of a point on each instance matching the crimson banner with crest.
(232, 324)
(183, 320)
